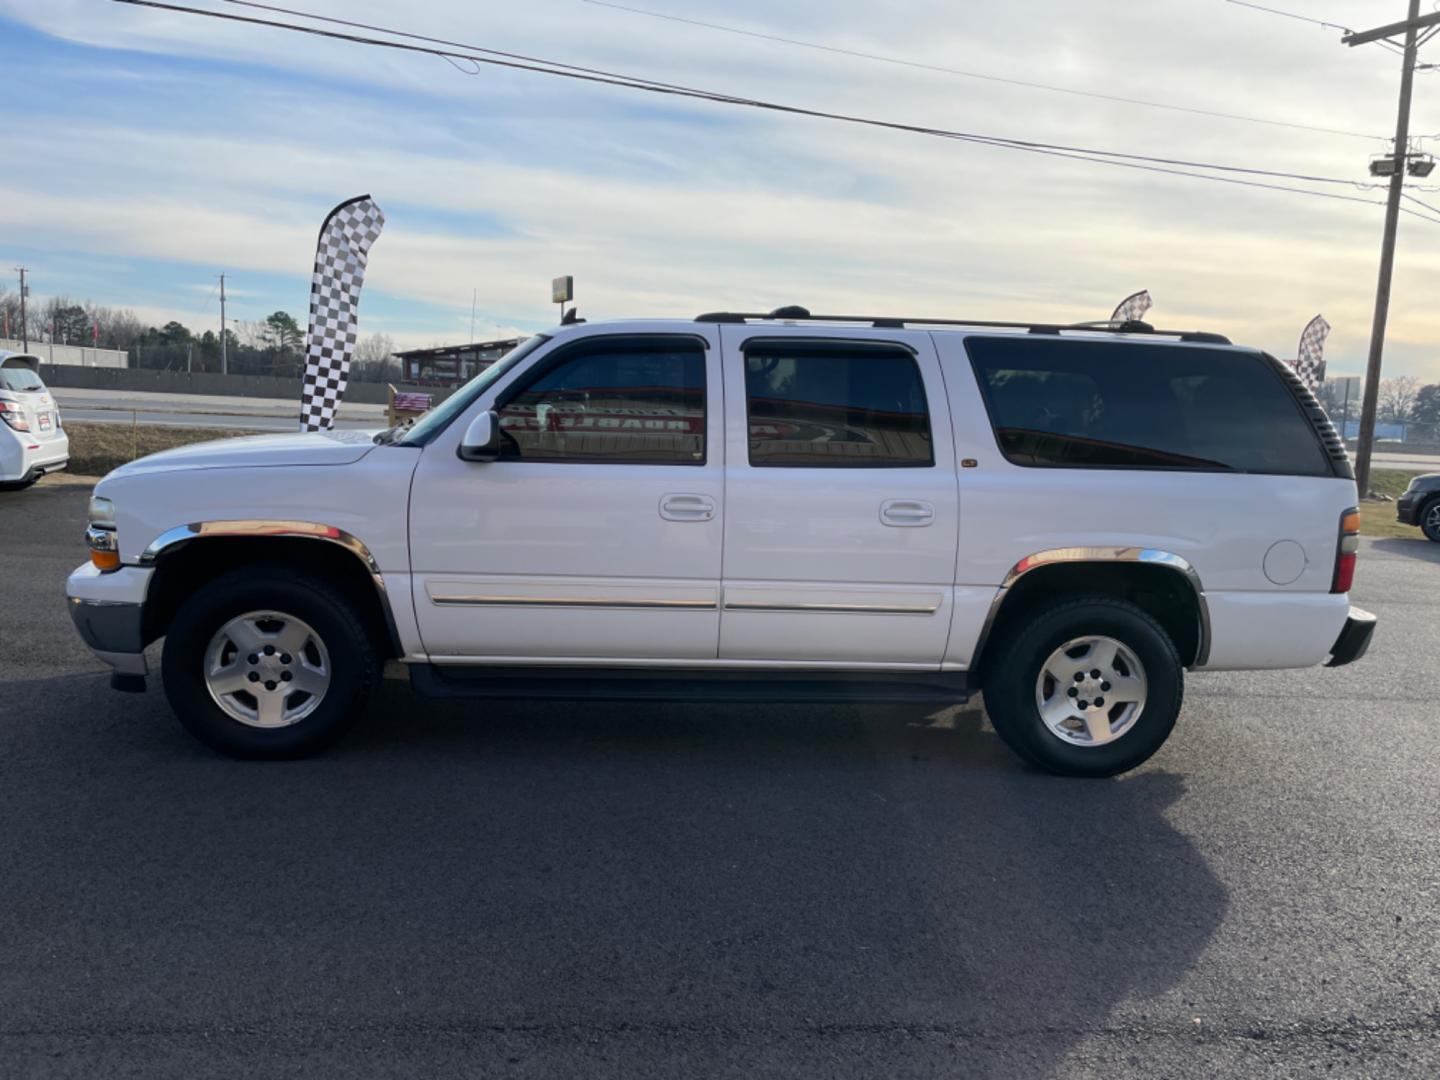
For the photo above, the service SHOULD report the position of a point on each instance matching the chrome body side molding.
(1149, 556)
(485, 600)
(927, 608)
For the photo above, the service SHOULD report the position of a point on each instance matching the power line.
(1304, 18)
(1289, 15)
(901, 62)
(1173, 166)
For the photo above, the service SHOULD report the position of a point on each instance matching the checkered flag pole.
(345, 241)
(1310, 361)
(1132, 308)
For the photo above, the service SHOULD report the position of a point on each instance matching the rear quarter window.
(1067, 403)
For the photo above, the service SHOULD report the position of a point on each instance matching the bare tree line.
(274, 345)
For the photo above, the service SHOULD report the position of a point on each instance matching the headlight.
(100, 536)
(102, 512)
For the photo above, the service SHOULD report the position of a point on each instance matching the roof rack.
(796, 313)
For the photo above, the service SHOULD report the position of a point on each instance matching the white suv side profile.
(742, 507)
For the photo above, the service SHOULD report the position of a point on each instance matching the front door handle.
(906, 513)
(683, 507)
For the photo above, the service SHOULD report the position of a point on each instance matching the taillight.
(11, 414)
(1345, 551)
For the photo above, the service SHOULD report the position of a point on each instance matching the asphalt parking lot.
(560, 890)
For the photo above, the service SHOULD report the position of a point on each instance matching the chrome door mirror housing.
(482, 439)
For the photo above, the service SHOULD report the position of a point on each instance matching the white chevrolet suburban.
(745, 507)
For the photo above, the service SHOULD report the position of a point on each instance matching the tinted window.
(1109, 404)
(835, 405)
(20, 379)
(627, 400)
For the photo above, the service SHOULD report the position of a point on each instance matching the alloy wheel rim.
(1091, 691)
(1432, 518)
(267, 669)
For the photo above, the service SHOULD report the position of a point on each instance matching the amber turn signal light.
(105, 560)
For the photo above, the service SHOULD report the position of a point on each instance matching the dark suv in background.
(1420, 505)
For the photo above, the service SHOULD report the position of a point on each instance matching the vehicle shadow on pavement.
(1415, 548)
(588, 889)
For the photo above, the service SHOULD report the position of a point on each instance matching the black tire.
(1429, 520)
(353, 661)
(18, 485)
(1019, 657)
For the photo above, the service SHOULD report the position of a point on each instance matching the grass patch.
(95, 449)
(1378, 518)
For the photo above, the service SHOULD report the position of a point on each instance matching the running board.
(687, 684)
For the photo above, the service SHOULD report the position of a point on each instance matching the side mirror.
(482, 439)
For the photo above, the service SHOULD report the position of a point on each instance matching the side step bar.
(687, 684)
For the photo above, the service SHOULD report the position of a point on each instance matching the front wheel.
(267, 663)
(1087, 687)
(1430, 520)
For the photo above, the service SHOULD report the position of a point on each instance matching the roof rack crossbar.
(891, 322)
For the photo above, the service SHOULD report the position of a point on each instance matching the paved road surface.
(245, 422)
(198, 410)
(560, 890)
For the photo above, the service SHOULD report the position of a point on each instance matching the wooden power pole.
(1411, 28)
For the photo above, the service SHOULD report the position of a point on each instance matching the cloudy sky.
(146, 151)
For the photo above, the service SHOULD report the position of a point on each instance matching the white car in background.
(32, 442)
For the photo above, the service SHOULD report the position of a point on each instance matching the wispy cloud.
(179, 142)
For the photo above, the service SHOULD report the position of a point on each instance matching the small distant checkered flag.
(1310, 365)
(1132, 308)
(345, 241)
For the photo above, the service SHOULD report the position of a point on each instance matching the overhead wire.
(984, 76)
(514, 61)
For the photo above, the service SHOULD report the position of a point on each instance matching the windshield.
(436, 420)
(20, 379)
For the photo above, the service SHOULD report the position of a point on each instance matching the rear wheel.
(1087, 687)
(267, 663)
(1430, 520)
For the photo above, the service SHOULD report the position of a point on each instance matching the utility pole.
(24, 325)
(1370, 403)
(473, 294)
(224, 360)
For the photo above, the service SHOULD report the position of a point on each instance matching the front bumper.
(1354, 638)
(109, 612)
(1407, 508)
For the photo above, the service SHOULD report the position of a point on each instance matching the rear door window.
(835, 405)
(1098, 404)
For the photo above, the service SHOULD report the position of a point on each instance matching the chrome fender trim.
(1152, 556)
(261, 528)
(313, 530)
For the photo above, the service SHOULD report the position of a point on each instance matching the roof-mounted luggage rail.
(796, 313)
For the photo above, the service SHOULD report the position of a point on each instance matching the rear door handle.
(906, 513)
(684, 507)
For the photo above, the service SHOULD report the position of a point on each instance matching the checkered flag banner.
(345, 241)
(1132, 308)
(1310, 365)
